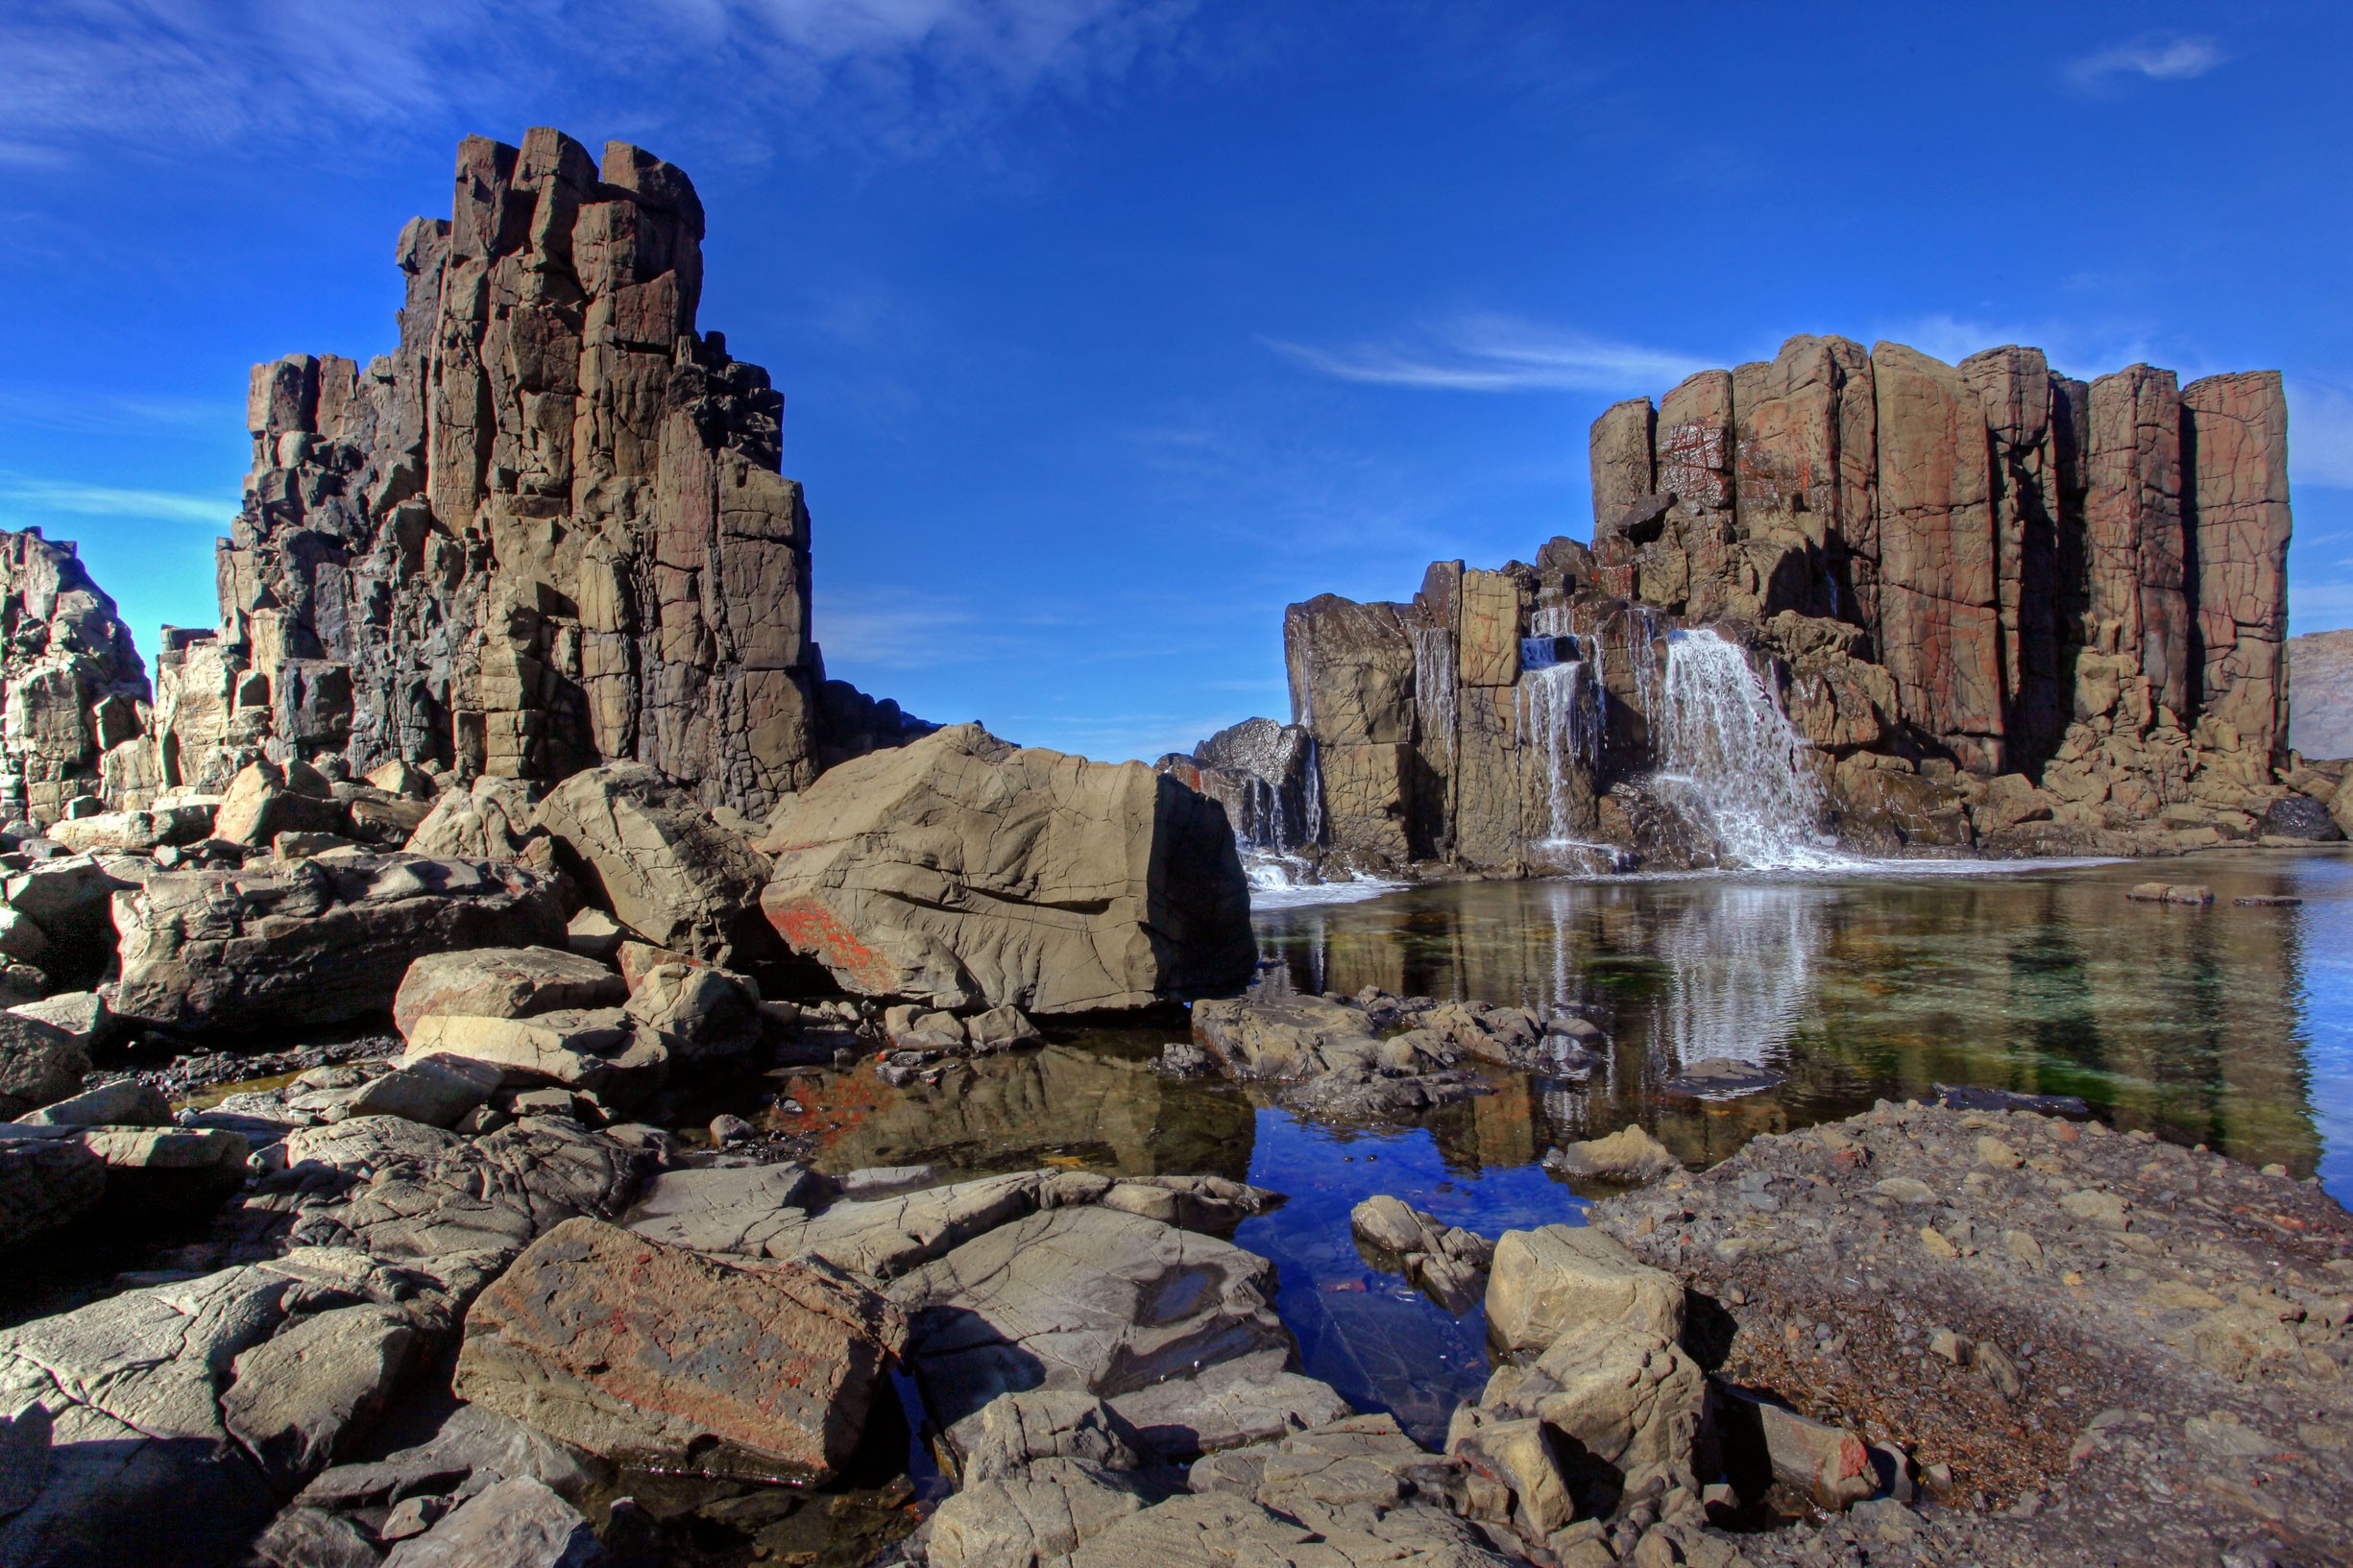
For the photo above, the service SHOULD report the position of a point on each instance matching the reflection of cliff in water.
(2191, 1023)
(1104, 1110)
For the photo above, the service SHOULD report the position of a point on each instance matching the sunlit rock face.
(73, 694)
(546, 531)
(1993, 606)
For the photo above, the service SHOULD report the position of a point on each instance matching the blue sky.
(1107, 327)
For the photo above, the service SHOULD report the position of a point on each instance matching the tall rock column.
(1353, 687)
(2136, 545)
(546, 531)
(1801, 507)
(1695, 466)
(1940, 630)
(2014, 384)
(2235, 449)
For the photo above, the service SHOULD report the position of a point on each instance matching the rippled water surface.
(2225, 1025)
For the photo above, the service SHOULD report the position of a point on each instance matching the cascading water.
(1561, 719)
(1434, 677)
(1730, 758)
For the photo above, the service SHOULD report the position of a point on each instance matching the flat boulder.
(437, 1089)
(660, 862)
(596, 1050)
(961, 871)
(503, 982)
(316, 942)
(587, 1338)
(1559, 1279)
(126, 1102)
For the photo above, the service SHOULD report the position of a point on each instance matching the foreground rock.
(1447, 1262)
(315, 941)
(963, 872)
(2135, 1351)
(582, 1336)
(660, 862)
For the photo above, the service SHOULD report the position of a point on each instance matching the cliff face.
(547, 530)
(1990, 598)
(73, 694)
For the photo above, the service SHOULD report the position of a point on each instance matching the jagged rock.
(136, 832)
(264, 801)
(502, 982)
(316, 942)
(575, 1339)
(497, 819)
(1266, 775)
(703, 1016)
(961, 870)
(1627, 1400)
(40, 1065)
(1554, 1280)
(516, 1523)
(73, 695)
(660, 863)
(1448, 1262)
(45, 1184)
(70, 898)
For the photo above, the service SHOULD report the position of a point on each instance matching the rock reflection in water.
(2193, 1022)
(1101, 1106)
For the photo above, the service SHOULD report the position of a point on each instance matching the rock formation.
(1995, 604)
(73, 695)
(546, 531)
(2323, 687)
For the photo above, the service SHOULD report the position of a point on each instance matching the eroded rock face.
(316, 941)
(1945, 575)
(668, 873)
(545, 531)
(73, 694)
(963, 871)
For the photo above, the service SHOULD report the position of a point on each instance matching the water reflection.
(2193, 1022)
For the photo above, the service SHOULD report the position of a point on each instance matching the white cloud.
(896, 74)
(34, 498)
(2161, 58)
(1501, 353)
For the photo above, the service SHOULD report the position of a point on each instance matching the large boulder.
(497, 819)
(963, 871)
(317, 941)
(1556, 1279)
(45, 1182)
(660, 862)
(40, 1065)
(585, 1337)
(502, 982)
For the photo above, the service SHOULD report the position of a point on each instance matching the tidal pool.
(2226, 1024)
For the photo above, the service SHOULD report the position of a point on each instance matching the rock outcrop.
(964, 871)
(2320, 692)
(545, 531)
(1997, 605)
(74, 708)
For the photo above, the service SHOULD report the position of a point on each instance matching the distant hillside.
(2320, 694)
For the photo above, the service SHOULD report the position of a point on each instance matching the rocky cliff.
(546, 530)
(2322, 694)
(73, 694)
(1982, 602)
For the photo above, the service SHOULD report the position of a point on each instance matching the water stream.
(1730, 759)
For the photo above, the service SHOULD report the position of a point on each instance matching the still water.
(2225, 1024)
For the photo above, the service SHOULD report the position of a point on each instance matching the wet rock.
(1629, 1155)
(502, 982)
(40, 1065)
(1183, 1059)
(1964, 1097)
(1555, 1280)
(517, 1523)
(2301, 818)
(1001, 1028)
(1086, 1300)
(658, 860)
(1722, 1077)
(1126, 889)
(126, 1102)
(1447, 1262)
(574, 1339)
(45, 1184)
(316, 942)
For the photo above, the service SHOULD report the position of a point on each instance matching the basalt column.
(546, 530)
(2235, 449)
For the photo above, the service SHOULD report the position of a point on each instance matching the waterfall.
(1435, 676)
(1561, 718)
(1312, 787)
(1730, 758)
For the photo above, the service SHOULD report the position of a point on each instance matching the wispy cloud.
(2075, 346)
(30, 499)
(83, 413)
(1499, 353)
(2159, 56)
(110, 73)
